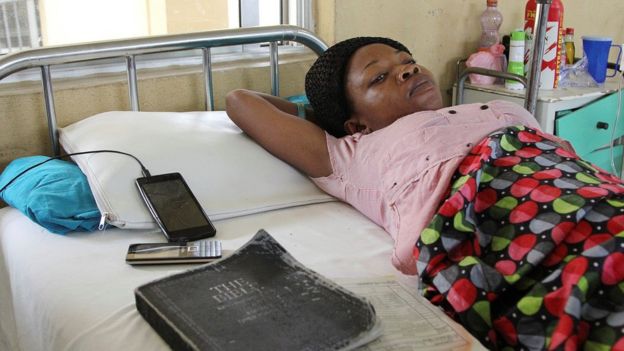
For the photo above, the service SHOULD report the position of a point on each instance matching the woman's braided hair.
(325, 82)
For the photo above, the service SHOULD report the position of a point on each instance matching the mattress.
(75, 292)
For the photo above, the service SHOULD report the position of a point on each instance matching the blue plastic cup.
(597, 51)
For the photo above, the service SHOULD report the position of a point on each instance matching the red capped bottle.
(551, 61)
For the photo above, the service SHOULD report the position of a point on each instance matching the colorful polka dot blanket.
(526, 251)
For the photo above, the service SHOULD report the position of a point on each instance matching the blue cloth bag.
(56, 194)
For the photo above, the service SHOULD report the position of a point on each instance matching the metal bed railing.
(463, 74)
(531, 82)
(129, 49)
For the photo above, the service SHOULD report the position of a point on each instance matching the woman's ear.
(353, 126)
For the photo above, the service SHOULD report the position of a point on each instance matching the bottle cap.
(492, 3)
(517, 34)
(569, 30)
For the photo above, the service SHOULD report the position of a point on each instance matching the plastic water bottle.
(516, 59)
(491, 20)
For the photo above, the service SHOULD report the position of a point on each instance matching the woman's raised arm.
(272, 123)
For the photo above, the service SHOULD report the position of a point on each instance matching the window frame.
(304, 18)
(34, 30)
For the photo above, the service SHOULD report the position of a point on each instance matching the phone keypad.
(210, 248)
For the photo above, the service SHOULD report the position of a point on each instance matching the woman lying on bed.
(509, 230)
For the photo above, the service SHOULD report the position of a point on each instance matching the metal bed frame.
(129, 49)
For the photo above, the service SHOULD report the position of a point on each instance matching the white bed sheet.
(75, 292)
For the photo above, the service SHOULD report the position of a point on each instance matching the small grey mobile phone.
(200, 251)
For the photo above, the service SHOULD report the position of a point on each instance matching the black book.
(259, 298)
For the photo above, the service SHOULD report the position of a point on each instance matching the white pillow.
(229, 173)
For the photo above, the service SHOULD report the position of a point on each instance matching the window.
(33, 23)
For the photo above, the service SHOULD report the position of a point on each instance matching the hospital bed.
(75, 291)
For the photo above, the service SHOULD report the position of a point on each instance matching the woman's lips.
(418, 85)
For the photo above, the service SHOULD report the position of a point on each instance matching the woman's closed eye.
(378, 78)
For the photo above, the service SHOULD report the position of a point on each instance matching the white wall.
(92, 20)
(439, 32)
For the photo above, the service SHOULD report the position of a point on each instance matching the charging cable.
(617, 118)
(144, 170)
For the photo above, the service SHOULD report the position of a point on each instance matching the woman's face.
(384, 84)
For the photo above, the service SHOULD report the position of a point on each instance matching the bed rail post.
(133, 90)
(539, 33)
(48, 98)
(274, 69)
(208, 92)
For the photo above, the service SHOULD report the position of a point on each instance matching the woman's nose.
(407, 72)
